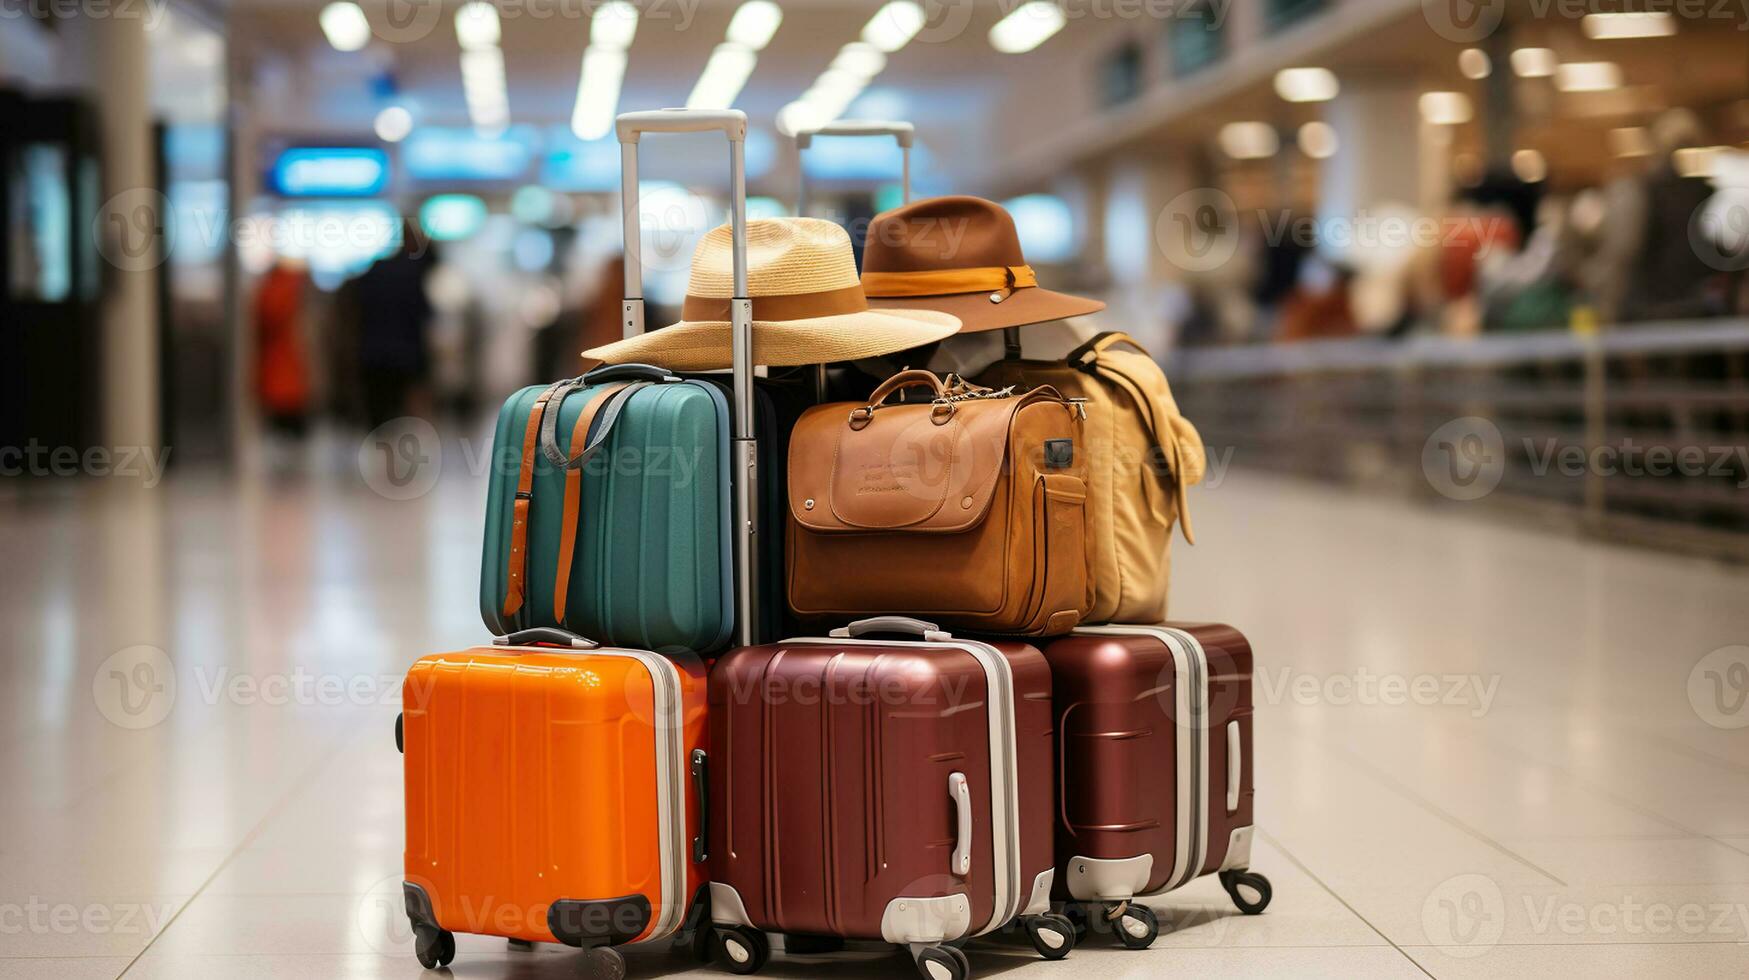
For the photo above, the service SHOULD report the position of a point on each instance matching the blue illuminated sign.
(309, 171)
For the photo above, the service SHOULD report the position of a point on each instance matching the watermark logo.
(1197, 231)
(134, 230)
(135, 687)
(402, 458)
(1367, 689)
(1718, 231)
(1464, 915)
(381, 917)
(943, 20)
(1463, 21)
(1718, 687)
(1464, 459)
(403, 21)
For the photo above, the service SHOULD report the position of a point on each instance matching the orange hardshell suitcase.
(555, 794)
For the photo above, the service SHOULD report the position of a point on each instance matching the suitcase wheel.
(1052, 935)
(604, 963)
(434, 947)
(943, 963)
(1137, 927)
(742, 950)
(1249, 890)
(400, 735)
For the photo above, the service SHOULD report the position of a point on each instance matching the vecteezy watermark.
(36, 917)
(1718, 687)
(138, 687)
(1467, 915)
(1469, 21)
(135, 687)
(1718, 231)
(1464, 459)
(402, 458)
(1365, 688)
(149, 11)
(1198, 231)
(144, 463)
(1463, 21)
(1464, 915)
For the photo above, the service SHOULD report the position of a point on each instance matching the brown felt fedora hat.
(959, 255)
(808, 306)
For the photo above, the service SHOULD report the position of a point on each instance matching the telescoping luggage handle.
(903, 132)
(732, 123)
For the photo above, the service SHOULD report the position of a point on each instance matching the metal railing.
(1638, 433)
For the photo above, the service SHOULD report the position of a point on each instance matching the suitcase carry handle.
(545, 636)
(903, 132)
(732, 123)
(960, 791)
(630, 372)
(903, 625)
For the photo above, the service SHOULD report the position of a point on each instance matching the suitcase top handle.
(547, 635)
(732, 123)
(903, 132)
(902, 625)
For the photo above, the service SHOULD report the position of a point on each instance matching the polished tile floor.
(1484, 750)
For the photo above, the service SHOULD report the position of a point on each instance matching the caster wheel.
(1076, 915)
(1052, 935)
(1250, 891)
(742, 950)
(400, 734)
(943, 963)
(1138, 927)
(603, 963)
(434, 947)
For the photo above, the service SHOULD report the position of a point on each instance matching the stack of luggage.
(891, 669)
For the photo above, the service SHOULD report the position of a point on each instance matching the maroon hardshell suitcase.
(872, 788)
(1155, 760)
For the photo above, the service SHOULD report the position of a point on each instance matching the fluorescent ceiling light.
(1534, 62)
(1588, 76)
(1625, 24)
(1475, 63)
(344, 24)
(1306, 84)
(800, 116)
(754, 23)
(1445, 108)
(613, 26)
(723, 77)
(1318, 140)
(1249, 140)
(1027, 26)
(476, 25)
(1696, 161)
(604, 70)
(483, 85)
(1630, 141)
(1530, 166)
(861, 59)
(894, 25)
(393, 124)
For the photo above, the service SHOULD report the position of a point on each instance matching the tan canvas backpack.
(1142, 456)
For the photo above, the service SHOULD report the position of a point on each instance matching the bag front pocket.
(1060, 542)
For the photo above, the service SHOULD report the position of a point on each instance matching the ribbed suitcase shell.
(536, 775)
(652, 562)
(1154, 729)
(830, 786)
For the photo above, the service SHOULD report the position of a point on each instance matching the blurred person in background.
(1319, 306)
(1667, 278)
(282, 361)
(394, 318)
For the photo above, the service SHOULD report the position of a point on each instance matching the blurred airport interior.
(256, 221)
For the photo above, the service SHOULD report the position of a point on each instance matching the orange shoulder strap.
(580, 454)
(517, 562)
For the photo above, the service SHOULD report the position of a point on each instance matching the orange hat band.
(776, 309)
(945, 282)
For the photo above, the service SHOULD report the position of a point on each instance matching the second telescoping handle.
(903, 132)
(732, 123)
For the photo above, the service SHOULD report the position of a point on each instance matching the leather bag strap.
(582, 448)
(516, 564)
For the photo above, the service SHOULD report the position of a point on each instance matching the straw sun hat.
(808, 306)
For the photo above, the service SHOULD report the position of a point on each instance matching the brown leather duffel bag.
(969, 510)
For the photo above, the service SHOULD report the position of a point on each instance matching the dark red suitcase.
(1155, 760)
(882, 789)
